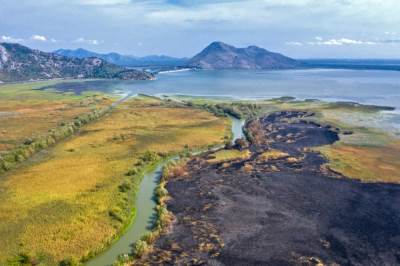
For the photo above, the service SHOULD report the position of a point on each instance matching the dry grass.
(228, 155)
(28, 113)
(176, 170)
(273, 155)
(59, 205)
(367, 163)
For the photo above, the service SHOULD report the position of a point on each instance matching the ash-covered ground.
(285, 209)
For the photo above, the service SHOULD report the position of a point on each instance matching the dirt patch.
(287, 210)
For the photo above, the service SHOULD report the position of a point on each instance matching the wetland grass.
(70, 202)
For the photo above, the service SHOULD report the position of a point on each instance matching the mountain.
(125, 60)
(219, 55)
(20, 63)
(79, 53)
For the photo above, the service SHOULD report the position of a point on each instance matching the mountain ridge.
(125, 60)
(20, 63)
(219, 55)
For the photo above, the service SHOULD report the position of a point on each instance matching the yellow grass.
(367, 163)
(29, 113)
(273, 155)
(228, 155)
(58, 205)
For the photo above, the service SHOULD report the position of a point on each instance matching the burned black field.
(281, 206)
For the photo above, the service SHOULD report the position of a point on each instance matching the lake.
(364, 86)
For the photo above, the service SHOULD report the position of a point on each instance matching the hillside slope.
(20, 63)
(219, 55)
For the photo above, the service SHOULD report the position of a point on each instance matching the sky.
(181, 28)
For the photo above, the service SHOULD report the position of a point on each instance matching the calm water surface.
(363, 86)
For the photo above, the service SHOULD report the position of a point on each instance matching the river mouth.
(145, 210)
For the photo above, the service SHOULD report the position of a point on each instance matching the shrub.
(131, 172)
(116, 214)
(149, 156)
(140, 248)
(124, 187)
(69, 262)
(122, 260)
(150, 238)
(23, 259)
(28, 141)
(161, 192)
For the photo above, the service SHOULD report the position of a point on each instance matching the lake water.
(364, 86)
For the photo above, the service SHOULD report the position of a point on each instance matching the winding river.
(145, 214)
(237, 128)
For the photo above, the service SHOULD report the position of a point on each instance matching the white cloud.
(5, 38)
(336, 42)
(294, 43)
(340, 42)
(87, 41)
(40, 38)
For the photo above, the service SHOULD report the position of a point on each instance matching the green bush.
(131, 172)
(161, 192)
(124, 187)
(122, 260)
(149, 156)
(69, 262)
(23, 259)
(116, 214)
(150, 237)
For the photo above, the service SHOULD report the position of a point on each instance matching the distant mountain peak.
(219, 44)
(216, 46)
(219, 55)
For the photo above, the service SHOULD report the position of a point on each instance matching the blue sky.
(298, 28)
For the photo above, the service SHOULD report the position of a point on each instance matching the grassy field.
(369, 164)
(370, 153)
(28, 115)
(73, 199)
